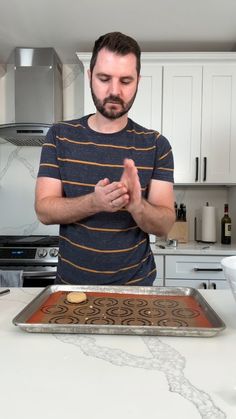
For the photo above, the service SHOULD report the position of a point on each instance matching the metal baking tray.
(132, 310)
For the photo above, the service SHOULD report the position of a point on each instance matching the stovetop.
(29, 241)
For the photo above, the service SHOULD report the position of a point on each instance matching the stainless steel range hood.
(33, 95)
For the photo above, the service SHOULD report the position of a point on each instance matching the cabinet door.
(159, 261)
(219, 124)
(147, 107)
(182, 95)
(218, 285)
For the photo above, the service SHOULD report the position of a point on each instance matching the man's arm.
(155, 215)
(53, 208)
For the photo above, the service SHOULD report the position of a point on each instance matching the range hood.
(33, 95)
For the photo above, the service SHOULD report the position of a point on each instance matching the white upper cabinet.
(191, 99)
(219, 124)
(199, 119)
(182, 98)
(147, 107)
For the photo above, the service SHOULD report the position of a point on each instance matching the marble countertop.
(194, 248)
(53, 376)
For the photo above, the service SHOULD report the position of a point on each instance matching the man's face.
(114, 83)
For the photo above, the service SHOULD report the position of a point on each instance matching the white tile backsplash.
(195, 197)
(18, 173)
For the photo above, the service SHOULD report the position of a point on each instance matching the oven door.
(34, 276)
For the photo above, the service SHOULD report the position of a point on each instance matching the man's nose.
(115, 88)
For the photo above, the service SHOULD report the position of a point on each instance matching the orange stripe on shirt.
(101, 164)
(102, 272)
(106, 145)
(92, 249)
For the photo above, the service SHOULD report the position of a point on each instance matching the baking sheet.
(163, 311)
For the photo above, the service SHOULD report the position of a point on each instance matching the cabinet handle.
(213, 286)
(204, 168)
(197, 164)
(203, 285)
(208, 269)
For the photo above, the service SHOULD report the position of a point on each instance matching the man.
(106, 180)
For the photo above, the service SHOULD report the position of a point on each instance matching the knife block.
(179, 232)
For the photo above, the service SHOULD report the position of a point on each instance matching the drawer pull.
(208, 269)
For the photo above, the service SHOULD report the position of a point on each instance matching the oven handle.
(41, 274)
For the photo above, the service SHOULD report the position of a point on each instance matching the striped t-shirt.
(105, 248)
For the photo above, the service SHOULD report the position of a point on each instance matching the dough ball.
(76, 297)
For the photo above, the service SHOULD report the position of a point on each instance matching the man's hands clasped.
(126, 193)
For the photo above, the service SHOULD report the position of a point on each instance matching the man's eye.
(126, 81)
(104, 79)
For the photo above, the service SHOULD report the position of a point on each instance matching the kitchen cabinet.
(182, 98)
(199, 119)
(219, 123)
(159, 281)
(194, 271)
(147, 107)
(191, 99)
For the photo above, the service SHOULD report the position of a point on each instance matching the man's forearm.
(60, 210)
(153, 219)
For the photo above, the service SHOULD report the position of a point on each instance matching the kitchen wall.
(19, 166)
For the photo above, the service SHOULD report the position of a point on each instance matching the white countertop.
(194, 248)
(53, 376)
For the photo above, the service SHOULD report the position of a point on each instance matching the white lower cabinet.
(196, 283)
(194, 271)
(159, 281)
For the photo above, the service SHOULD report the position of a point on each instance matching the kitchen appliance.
(33, 95)
(36, 256)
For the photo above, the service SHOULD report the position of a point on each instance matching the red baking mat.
(122, 309)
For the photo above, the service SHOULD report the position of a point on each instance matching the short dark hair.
(119, 43)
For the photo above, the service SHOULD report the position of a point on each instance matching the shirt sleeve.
(48, 162)
(164, 162)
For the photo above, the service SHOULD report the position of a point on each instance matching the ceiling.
(158, 25)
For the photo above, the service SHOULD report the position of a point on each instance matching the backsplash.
(195, 197)
(18, 172)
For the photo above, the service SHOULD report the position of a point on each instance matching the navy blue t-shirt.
(105, 248)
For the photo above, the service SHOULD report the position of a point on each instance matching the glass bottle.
(226, 226)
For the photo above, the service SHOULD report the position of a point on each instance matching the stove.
(32, 240)
(35, 255)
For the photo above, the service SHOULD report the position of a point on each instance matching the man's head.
(114, 74)
(120, 44)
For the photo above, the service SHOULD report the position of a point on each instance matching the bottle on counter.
(226, 226)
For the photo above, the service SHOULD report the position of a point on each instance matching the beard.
(112, 112)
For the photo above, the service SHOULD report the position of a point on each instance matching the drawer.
(193, 267)
(197, 283)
